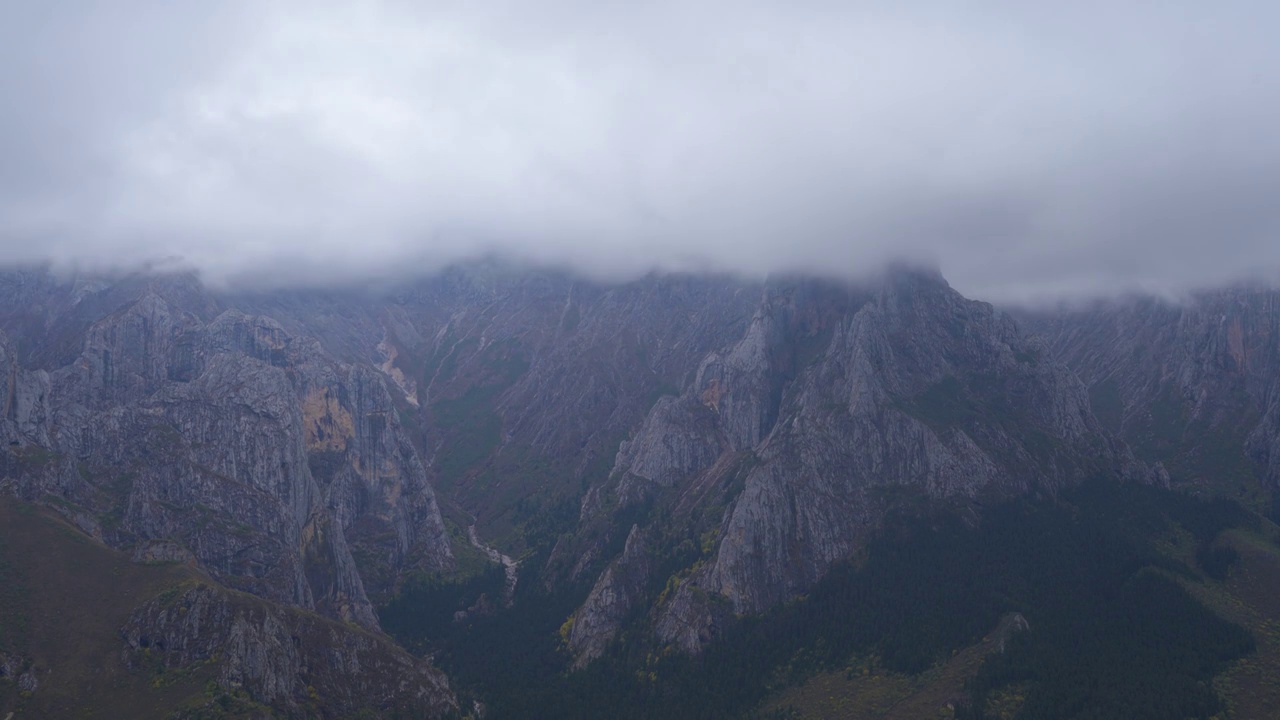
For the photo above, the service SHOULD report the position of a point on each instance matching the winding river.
(508, 565)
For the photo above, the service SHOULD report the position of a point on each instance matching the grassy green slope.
(1226, 560)
(63, 600)
(1250, 596)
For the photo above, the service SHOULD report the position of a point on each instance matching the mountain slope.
(1191, 384)
(791, 445)
(520, 383)
(85, 632)
(664, 457)
(225, 437)
(1109, 577)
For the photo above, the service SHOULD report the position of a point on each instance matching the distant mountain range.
(664, 458)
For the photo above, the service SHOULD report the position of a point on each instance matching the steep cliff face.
(734, 399)
(180, 424)
(835, 406)
(1193, 384)
(748, 435)
(919, 389)
(521, 383)
(87, 631)
(613, 598)
(375, 483)
(24, 397)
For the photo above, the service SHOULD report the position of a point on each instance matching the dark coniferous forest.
(1112, 633)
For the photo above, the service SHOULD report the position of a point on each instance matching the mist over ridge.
(1031, 153)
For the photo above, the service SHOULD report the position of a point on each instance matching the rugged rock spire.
(836, 405)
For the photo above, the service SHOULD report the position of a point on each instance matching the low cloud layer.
(1028, 149)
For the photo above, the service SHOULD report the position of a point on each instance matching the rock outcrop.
(749, 435)
(1194, 384)
(523, 382)
(221, 435)
(298, 663)
(837, 405)
(24, 402)
(612, 599)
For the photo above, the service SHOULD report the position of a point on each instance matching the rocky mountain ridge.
(186, 431)
(261, 455)
(837, 405)
(1191, 383)
(680, 450)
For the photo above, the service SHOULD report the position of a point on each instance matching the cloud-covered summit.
(1029, 149)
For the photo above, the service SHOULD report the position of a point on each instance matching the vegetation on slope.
(63, 600)
(1101, 576)
(86, 633)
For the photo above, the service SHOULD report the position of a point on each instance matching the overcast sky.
(1030, 149)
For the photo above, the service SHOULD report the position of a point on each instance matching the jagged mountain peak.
(837, 402)
(691, 447)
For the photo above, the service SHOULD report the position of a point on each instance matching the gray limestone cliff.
(836, 405)
(281, 470)
(614, 596)
(690, 447)
(1194, 383)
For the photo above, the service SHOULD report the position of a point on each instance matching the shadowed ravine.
(508, 565)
